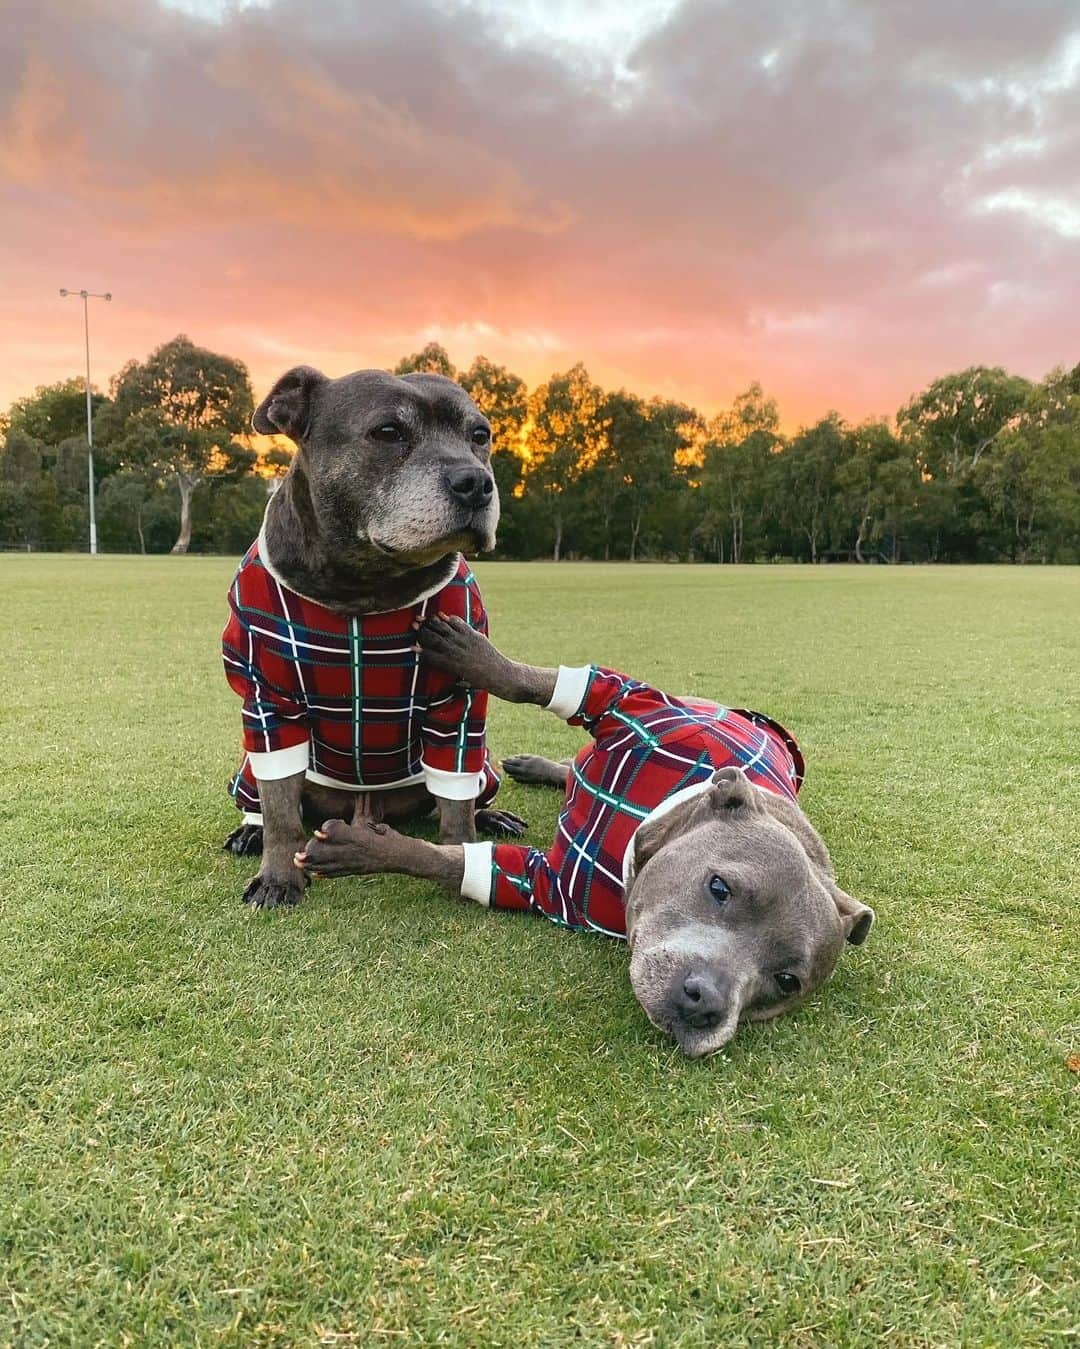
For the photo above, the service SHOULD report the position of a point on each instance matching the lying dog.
(680, 831)
(389, 485)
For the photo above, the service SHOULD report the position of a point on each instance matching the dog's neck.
(351, 577)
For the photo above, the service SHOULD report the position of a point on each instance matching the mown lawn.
(392, 1118)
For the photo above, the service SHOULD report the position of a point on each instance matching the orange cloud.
(838, 199)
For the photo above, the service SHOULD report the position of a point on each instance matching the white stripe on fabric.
(571, 843)
(447, 734)
(258, 692)
(309, 646)
(394, 711)
(412, 687)
(600, 812)
(295, 651)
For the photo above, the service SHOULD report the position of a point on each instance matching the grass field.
(395, 1118)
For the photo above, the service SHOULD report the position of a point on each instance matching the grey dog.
(726, 893)
(391, 483)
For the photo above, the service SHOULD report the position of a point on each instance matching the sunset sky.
(840, 198)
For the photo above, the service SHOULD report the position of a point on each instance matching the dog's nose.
(471, 486)
(700, 1003)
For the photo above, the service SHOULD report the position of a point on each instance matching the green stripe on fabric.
(357, 655)
(463, 724)
(619, 802)
(637, 727)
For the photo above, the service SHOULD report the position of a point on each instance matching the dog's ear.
(857, 919)
(651, 837)
(287, 407)
(732, 793)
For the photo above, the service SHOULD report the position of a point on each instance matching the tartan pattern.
(373, 714)
(646, 746)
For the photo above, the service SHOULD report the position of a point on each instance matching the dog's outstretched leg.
(371, 848)
(536, 771)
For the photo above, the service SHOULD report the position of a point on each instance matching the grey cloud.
(750, 172)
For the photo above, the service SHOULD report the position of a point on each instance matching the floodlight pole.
(86, 296)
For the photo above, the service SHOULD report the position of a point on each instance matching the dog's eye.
(719, 888)
(481, 435)
(787, 983)
(390, 433)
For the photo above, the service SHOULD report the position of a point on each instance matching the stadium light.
(86, 296)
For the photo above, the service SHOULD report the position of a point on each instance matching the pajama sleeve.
(454, 729)
(275, 726)
(604, 702)
(508, 876)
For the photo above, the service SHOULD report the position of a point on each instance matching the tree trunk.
(138, 526)
(558, 539)
(183, 540)
(859, 539)
(636, 526)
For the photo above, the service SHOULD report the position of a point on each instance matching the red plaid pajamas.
(347, 699)
(646, 747)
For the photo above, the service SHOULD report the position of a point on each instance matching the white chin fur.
(710, 1043)
(697, 1044)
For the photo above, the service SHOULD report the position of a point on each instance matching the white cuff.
(279, 763)
(452, 786)
(570, 689)
(251, 817)
(476, 883)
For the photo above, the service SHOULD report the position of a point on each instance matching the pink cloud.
(841, 199)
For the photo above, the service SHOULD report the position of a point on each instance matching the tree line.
(981, 466)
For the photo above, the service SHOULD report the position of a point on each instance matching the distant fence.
(42, 548)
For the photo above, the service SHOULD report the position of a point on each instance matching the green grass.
(395, 1118)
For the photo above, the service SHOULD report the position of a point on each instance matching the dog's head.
(732, 912)
(402, 464)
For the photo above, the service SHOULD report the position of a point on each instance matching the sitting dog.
(680, 830)
(390, 484)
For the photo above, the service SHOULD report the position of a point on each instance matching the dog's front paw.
(272, 892)
(247, 841)
(500, 823)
